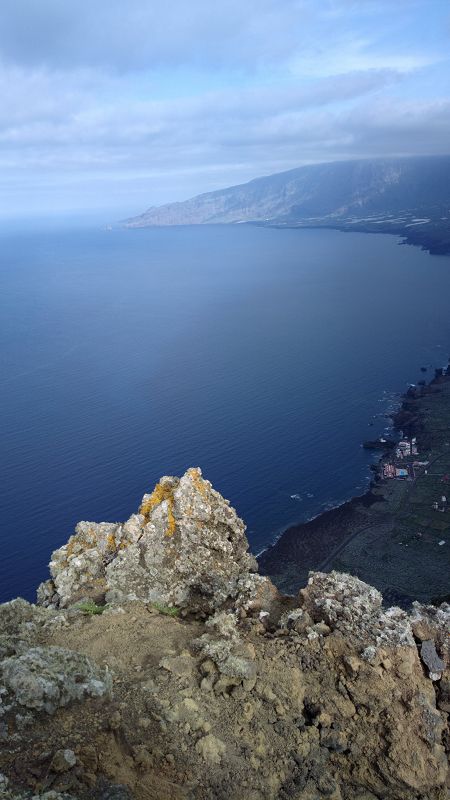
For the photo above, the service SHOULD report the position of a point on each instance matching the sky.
(112, 106)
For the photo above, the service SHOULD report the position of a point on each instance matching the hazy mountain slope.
(330, 192)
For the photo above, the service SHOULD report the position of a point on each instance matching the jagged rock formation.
(200, 681)
(186, 548)
(35, 678)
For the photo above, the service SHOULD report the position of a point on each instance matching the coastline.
(436, 242)
(375, 535)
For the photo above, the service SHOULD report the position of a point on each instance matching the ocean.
(263, 356)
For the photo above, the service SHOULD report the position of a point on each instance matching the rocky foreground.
(159, 664)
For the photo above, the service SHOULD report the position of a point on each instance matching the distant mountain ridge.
(399, 195)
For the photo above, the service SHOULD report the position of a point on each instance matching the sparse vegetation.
(169, 611)
(89, 608)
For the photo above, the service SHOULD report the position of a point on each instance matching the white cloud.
(183, 97)
(140, 34)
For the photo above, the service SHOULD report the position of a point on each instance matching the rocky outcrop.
(185, 674)
(46, 678)
(35, 678)
(186, 548)
(350, 606)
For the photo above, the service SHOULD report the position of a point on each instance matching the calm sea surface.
(260, 355)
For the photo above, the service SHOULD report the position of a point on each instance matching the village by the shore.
(397, 535)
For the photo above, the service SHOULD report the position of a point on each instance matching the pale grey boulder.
(21, 622)
(351, 606)
(433, 622)
(46, 678)
(430, 658)
(223, 645)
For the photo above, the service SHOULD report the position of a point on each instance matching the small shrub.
(169, 611)
(90, 608)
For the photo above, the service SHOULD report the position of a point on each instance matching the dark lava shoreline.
(301, 547)
(433, 240)
(369, 535)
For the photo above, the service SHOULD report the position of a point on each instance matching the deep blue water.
(258, 354)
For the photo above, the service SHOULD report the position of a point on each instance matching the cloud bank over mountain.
(117, 106)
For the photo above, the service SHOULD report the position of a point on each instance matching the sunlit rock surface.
(186, 547)
(160, 664)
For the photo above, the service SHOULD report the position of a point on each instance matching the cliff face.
(318, 192)
(198, 680)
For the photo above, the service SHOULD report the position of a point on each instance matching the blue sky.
(112, 106)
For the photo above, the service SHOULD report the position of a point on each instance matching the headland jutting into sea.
(396, 535)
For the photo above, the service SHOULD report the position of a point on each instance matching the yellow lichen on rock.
(195, 475)
(92, 536)
(78, 543)
(70, 547)
(171, 523)
(160, 493)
